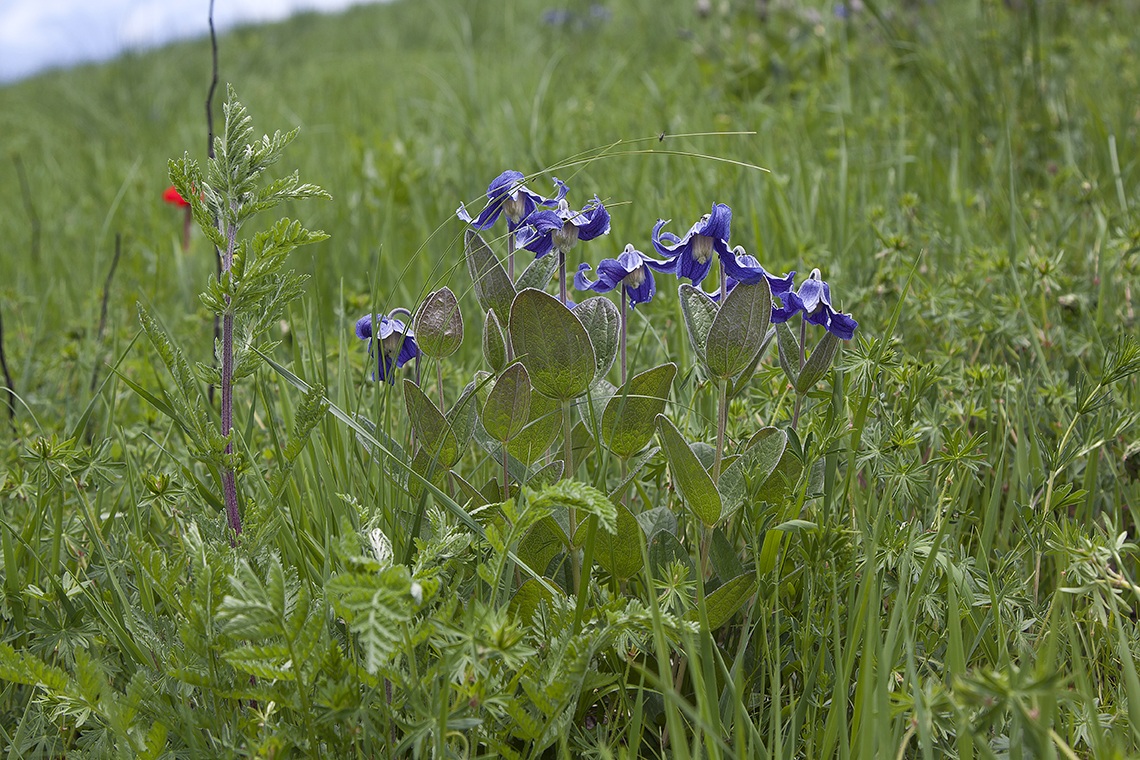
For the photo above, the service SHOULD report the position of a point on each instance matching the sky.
(41, 34)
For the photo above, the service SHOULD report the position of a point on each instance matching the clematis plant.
(395, 344)
(691, 256)
(508, 196)
(741, 267)
(631, 272)
(559, 230)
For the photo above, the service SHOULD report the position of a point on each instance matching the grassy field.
(946, 567)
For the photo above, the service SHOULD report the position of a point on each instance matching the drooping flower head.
(630, 269)
(506, 195)
(559, 229)
(174, 198)
(691, 256)
(742, 267)
(813, 298)
(396, 342)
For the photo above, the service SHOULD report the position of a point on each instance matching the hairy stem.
(511, 256)
(562, 276)
(568, 448)
(229, 481)
(799, 396)
(624, 327)
(721, 423)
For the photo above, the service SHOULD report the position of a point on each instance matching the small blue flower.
(691, 256)
(628, 269)
(560, 229)
(396, 341)
(813, 298)
(507, 195)
(743, 267)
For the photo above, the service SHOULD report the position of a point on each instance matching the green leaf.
(542, 427)
(542, 543)
(603, 324)
(761, 456)
(508, 406)
(631, 414)
(548, 475)
(619, 553)
(538, 274)
(699, 311)
(435, 434)
(777, 489)
(461, 416)
(438, 324)
(530, 595)
(742, 380)
(635, 467)
(587, 500)
(788, 348)
(664, 549)
(493, 288)
(494, 344)
(426, 466)
(723, 554)
(738, 330)
(690, 477)
(654, 520)
(723, 603)
(818, 363)
(552, 344)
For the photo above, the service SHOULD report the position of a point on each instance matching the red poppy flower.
(173, 197)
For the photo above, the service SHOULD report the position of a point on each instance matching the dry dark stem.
(9, 397)
(210, 153)
(29, 207)
(103, 305)
(229, 482)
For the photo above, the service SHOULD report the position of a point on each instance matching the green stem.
(624, 327)
(562, 276)
(721, 423)
(568, 448)
(799, 396)
(511, 256)
(439, 383)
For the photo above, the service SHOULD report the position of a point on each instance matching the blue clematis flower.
(396, 341)
(742, 267)
(813, 298)
(550, 230)
(691, 256)
(507, 195)
(629, 269)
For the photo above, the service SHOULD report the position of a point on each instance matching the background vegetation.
(960, 582)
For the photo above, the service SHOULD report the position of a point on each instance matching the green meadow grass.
(959, 581)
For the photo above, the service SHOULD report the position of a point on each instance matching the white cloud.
(37, 34)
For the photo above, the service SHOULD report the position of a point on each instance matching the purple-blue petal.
(719, 223)
(593, 221)
(364, 327)
(408, 351)
(689, 267)
(644, 292)
(842, 326)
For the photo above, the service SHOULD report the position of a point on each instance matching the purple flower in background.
(507, 195)
(743, 267)
(691, 256)
(813, 298)
(628, 269)
(560, 229)
(396, 342)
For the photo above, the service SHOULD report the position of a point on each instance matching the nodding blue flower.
(691, 256)
(629, 269)
(396, 342)
(507, 195)
(550, 230)
(740, 266)
(813, 298)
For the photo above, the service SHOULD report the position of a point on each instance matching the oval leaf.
(665, 549)
(689, 476)
(435, 434)
(494, 344)
(438, 324)
(552, 344)
(508, 405)
(631, 414)
(818, 363)
(603, 324)
(788, 347)
(542, 543)
(738, 330)
(620, 553)
(752, 468)
(723, 603)
(542, 427)
(492, 286)
(527, 599)
(538, 274)
(699, 311)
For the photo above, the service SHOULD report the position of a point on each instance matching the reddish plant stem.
(229, 481)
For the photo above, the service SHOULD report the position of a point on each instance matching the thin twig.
(210, 153)
(11, 394)
(103, 307)
(29, 207)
